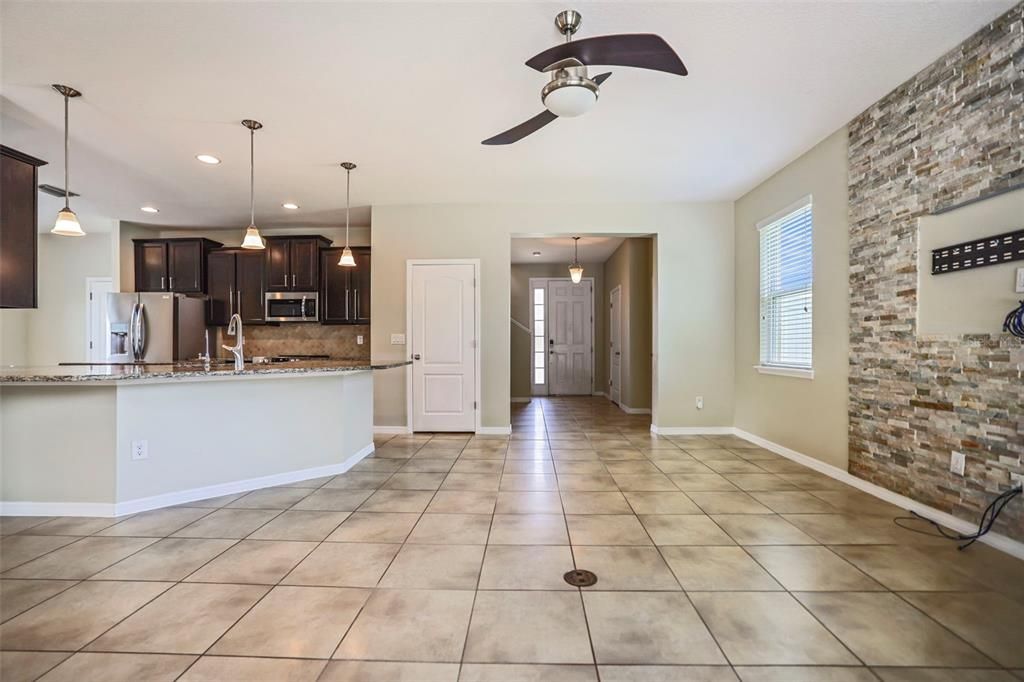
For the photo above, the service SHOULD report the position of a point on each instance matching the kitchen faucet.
(235, 329)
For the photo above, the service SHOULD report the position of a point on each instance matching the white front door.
(615, 347)
(443, 344)
(570, 337)
(96, 318)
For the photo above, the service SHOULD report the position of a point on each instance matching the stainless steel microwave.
(292, 306)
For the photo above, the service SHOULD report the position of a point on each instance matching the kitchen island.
(107, 440)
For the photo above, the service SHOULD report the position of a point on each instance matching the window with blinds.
(786, 279)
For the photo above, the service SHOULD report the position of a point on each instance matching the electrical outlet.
(398, 339)
(140, 449)
(359, 340)
(957, 462)
(1019, 288)
(700, 402)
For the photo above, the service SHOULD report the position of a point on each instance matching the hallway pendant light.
(67, 222)
(576, 270)
(252, 240)
(347, 259)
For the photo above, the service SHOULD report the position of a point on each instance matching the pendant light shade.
(576, 270)
(346, 254)
(252, 240)
(67, 224)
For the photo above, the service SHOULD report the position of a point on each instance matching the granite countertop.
(64, 374)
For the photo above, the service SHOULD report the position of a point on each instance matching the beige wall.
(630, 267)
(521, 364)
(694, 268)
(807, 415)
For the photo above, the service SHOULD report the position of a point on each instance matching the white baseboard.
(391, 430)
(692, 430)
(494, 430)
(180, 497)
(1000, 542)
(599, 394)
(634, 410)
(521, 399)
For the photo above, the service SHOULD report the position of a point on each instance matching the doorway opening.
(562, 333)
(97, 326)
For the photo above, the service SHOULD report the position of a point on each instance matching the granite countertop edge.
(176, 371)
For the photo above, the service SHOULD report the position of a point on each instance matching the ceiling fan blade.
(522, 130)
(640, 50)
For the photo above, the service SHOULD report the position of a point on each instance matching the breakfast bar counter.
(107, 440)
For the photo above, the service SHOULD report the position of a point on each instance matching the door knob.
(416, 356)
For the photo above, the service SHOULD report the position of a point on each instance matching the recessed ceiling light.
(536, 253)
(150, 209)
(207, 158)
(290, 206)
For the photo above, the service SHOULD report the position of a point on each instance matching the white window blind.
(786, 279)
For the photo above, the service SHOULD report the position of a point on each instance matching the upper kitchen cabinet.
(177, 265)
(236, 284)
(293, 263)
(18, 228)
(345, 291)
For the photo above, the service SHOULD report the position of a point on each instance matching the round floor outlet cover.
(580, 578)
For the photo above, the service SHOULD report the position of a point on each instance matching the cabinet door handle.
(239, 302)
(171, 278)
(346, 304)
(161, 282)
(293, 279)
(355, 302)
(231, 300)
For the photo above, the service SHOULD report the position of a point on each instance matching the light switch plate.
(1020, 281)
(957, 462)
(359, 340)
(140, 449)
(398, 339)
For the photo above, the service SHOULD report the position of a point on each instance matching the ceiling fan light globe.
(253, 240)
(569, 98)
(67, 224)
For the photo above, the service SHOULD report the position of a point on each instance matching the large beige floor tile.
(528, 482)
(611, 502)
(27, 666)
(20, 549)
(728, 503)
(388, 671)
(9, 525)
(75, 525)
(610, 529)
(333, 499)
(360, 480)
(563, 467)
(525, 672)
(156, 524)
(946, 675)
(804, 674)
(228, 523)
(471, 482)
(381, 527)
(882, 629)
(237, 668)
(462, 502)
(397, 501)
(699, 482)
(414, 481)
(526, 567)
(528, 502)
(661, 503)
(626, 568)
(717, 568)
(793, 502)
(482, 466)
(410, 625)
(258, 562)
(453, 529)
(438, 567)
(667, 673)
(301, 622)
(811, 568)
(528, 529)
(428, 464)
(848, 529)
(312, 526)
(528, 627)
(684, 529)
(80, 560)
(648, 628)
(586, 482)
(75, 617)
(185, 619)
(343, 565)
(907, 568)
(528, 466)
(756, 529)
(989, 621)
(20, 595)
(270, 498)
(168, 559)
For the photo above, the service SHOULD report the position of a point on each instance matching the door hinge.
(90, 345)
(474, 404)
(90, 295)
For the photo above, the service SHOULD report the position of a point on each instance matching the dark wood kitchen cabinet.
(293, 263)
(177, 265)
(236, 284)
(345, 291)
(18, 232)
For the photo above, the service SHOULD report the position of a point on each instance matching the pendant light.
(67, 222)
(252, 240)
(576, 270)
(346, 254)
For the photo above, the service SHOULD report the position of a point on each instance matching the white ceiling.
(559, 249)
(408, 90)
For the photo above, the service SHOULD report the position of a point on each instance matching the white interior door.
(98, 327)
(615, 349)
(570, 337)
(443, 311)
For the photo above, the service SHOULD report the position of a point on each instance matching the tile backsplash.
(338, 341)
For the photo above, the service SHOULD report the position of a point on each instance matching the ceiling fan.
(571, 91)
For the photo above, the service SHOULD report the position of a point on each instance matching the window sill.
(785, 371)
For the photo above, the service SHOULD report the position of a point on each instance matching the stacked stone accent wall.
(953, 132)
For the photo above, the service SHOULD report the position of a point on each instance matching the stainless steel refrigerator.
(155, 327)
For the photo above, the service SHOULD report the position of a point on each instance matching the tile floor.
(441, 558)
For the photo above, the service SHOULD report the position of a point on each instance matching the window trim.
(784, 370)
